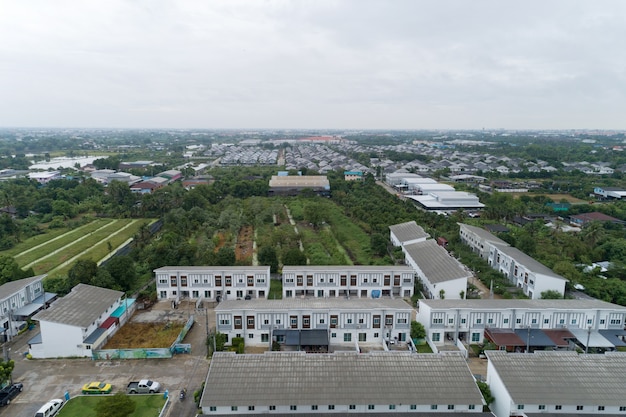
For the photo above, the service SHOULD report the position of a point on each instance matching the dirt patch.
(145, 335)
(244, 247)
(221, 240)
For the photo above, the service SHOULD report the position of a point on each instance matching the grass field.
(85, 406)
(145, 336)
(554, 197)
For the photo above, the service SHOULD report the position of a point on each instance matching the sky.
(313, 64)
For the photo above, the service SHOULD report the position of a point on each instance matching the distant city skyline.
(351, 64)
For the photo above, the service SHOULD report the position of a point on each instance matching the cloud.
(352, 64)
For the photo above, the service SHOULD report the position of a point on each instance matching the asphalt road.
(51, 378)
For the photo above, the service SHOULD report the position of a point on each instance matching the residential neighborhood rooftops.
(338, 303)
(212, 268)
(435, 262)
(485, 304)
(408, 231)
(581, 379)
(329, 268)
(297, 378)
(81, 307)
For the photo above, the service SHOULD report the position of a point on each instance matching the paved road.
(47, 379)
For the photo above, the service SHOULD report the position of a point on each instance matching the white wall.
(59, 340)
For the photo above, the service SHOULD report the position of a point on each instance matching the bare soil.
(135, 335)
(244, 247)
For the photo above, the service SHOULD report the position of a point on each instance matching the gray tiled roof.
(408, 231)
(528, 262)
(344, 378)
(565, 378)
(212, 268)
(81, 307)
(486, 304)
(483, 234)
(10, 288)
(334, 268)
(312, 304)
(435, 262)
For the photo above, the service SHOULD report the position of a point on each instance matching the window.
(505, 321)
(579, 407)
(475, 337)
(450, 406)
(436, 337)
(600, 408)
(616, 321)
(437, 321)
(265, 337)
(479, 321)
(331, 407)
(233, 408)
(352, 407)
(347, 337)
(277, 321)
(333, 335)
(313, 407)
(237, 321)
(573, 321)
(589, 321)
(433, 407)
(472, 406)
(451, 321)
(250, 408)
(370, 406)
(602, 321)
(212, 408)
(562, 321)
(389, 320)
(322, 321)
(333, 321)
(392, 406)
(463, 321)
(546, 321)
(250, 336)
(294, 321)
(518, 321)
(376, 335)
(533, 321)
(272, 407)
(413, 407)
(362, 337)
(361, 321)
(293, 407)
(520, 406)
(489, 321)
(401, 321)
(349, 321)
(558, 407)
(542, 407)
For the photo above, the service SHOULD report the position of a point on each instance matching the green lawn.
(85, 406)
(276, 290)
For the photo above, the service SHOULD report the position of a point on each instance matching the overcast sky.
(358, 64)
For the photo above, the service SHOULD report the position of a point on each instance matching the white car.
(49, 409)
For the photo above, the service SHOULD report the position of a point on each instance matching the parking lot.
(51, 378)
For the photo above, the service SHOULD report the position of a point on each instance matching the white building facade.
(531, 276)
(346, 322)
(467, 319)
(212, 283)
(348, 281)
(18, 300)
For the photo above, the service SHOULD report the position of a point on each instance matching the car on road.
(97, 387)
(9, 392)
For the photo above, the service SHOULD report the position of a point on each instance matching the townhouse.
(407, 233)
(212, 283)
(376, 383)
(556, 383)
(468, 320)
(348, 281)
(19, 300)
(524, 272)
(315, 324)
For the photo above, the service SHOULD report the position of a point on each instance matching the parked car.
(97, 388)
(144, 386)
(9, 392)
(50, 409)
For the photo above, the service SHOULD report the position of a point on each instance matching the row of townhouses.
(523, 271)
(315, 323)
(19, 300)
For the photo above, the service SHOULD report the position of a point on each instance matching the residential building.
(442, 276)
(295, 184)
(556, 383)
(447, 201)
(316, 324)
(19, 300)
(78, 323)
(212, 282)
(45, 177)
(467, 320)
(353, 175)
(523, 271)
(343, 384)
(583, 219)
(348, 281)
(407, 233)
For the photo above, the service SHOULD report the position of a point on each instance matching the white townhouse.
(212, 282)
(523, 271)
(19, 300)
(406, 233)
(468, 319)
(348, 281)
(341, 384)
(316, 323)
(78, 323)
(556, 383)
(442, 276)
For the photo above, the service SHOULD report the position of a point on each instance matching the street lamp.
(588, 338)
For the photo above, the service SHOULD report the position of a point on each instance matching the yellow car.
(97, 388)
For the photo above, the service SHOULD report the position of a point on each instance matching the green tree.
(122, 270)
(118, 405)
(551, 295)
(267, 256)
(417, 330)
(83, 271)
(9, 270)
(378, 243)
(6, 370)
(226, 256)
(486, 391)
(294, 256)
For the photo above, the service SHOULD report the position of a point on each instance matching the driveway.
(44, 379)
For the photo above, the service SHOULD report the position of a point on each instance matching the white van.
(49, 409)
